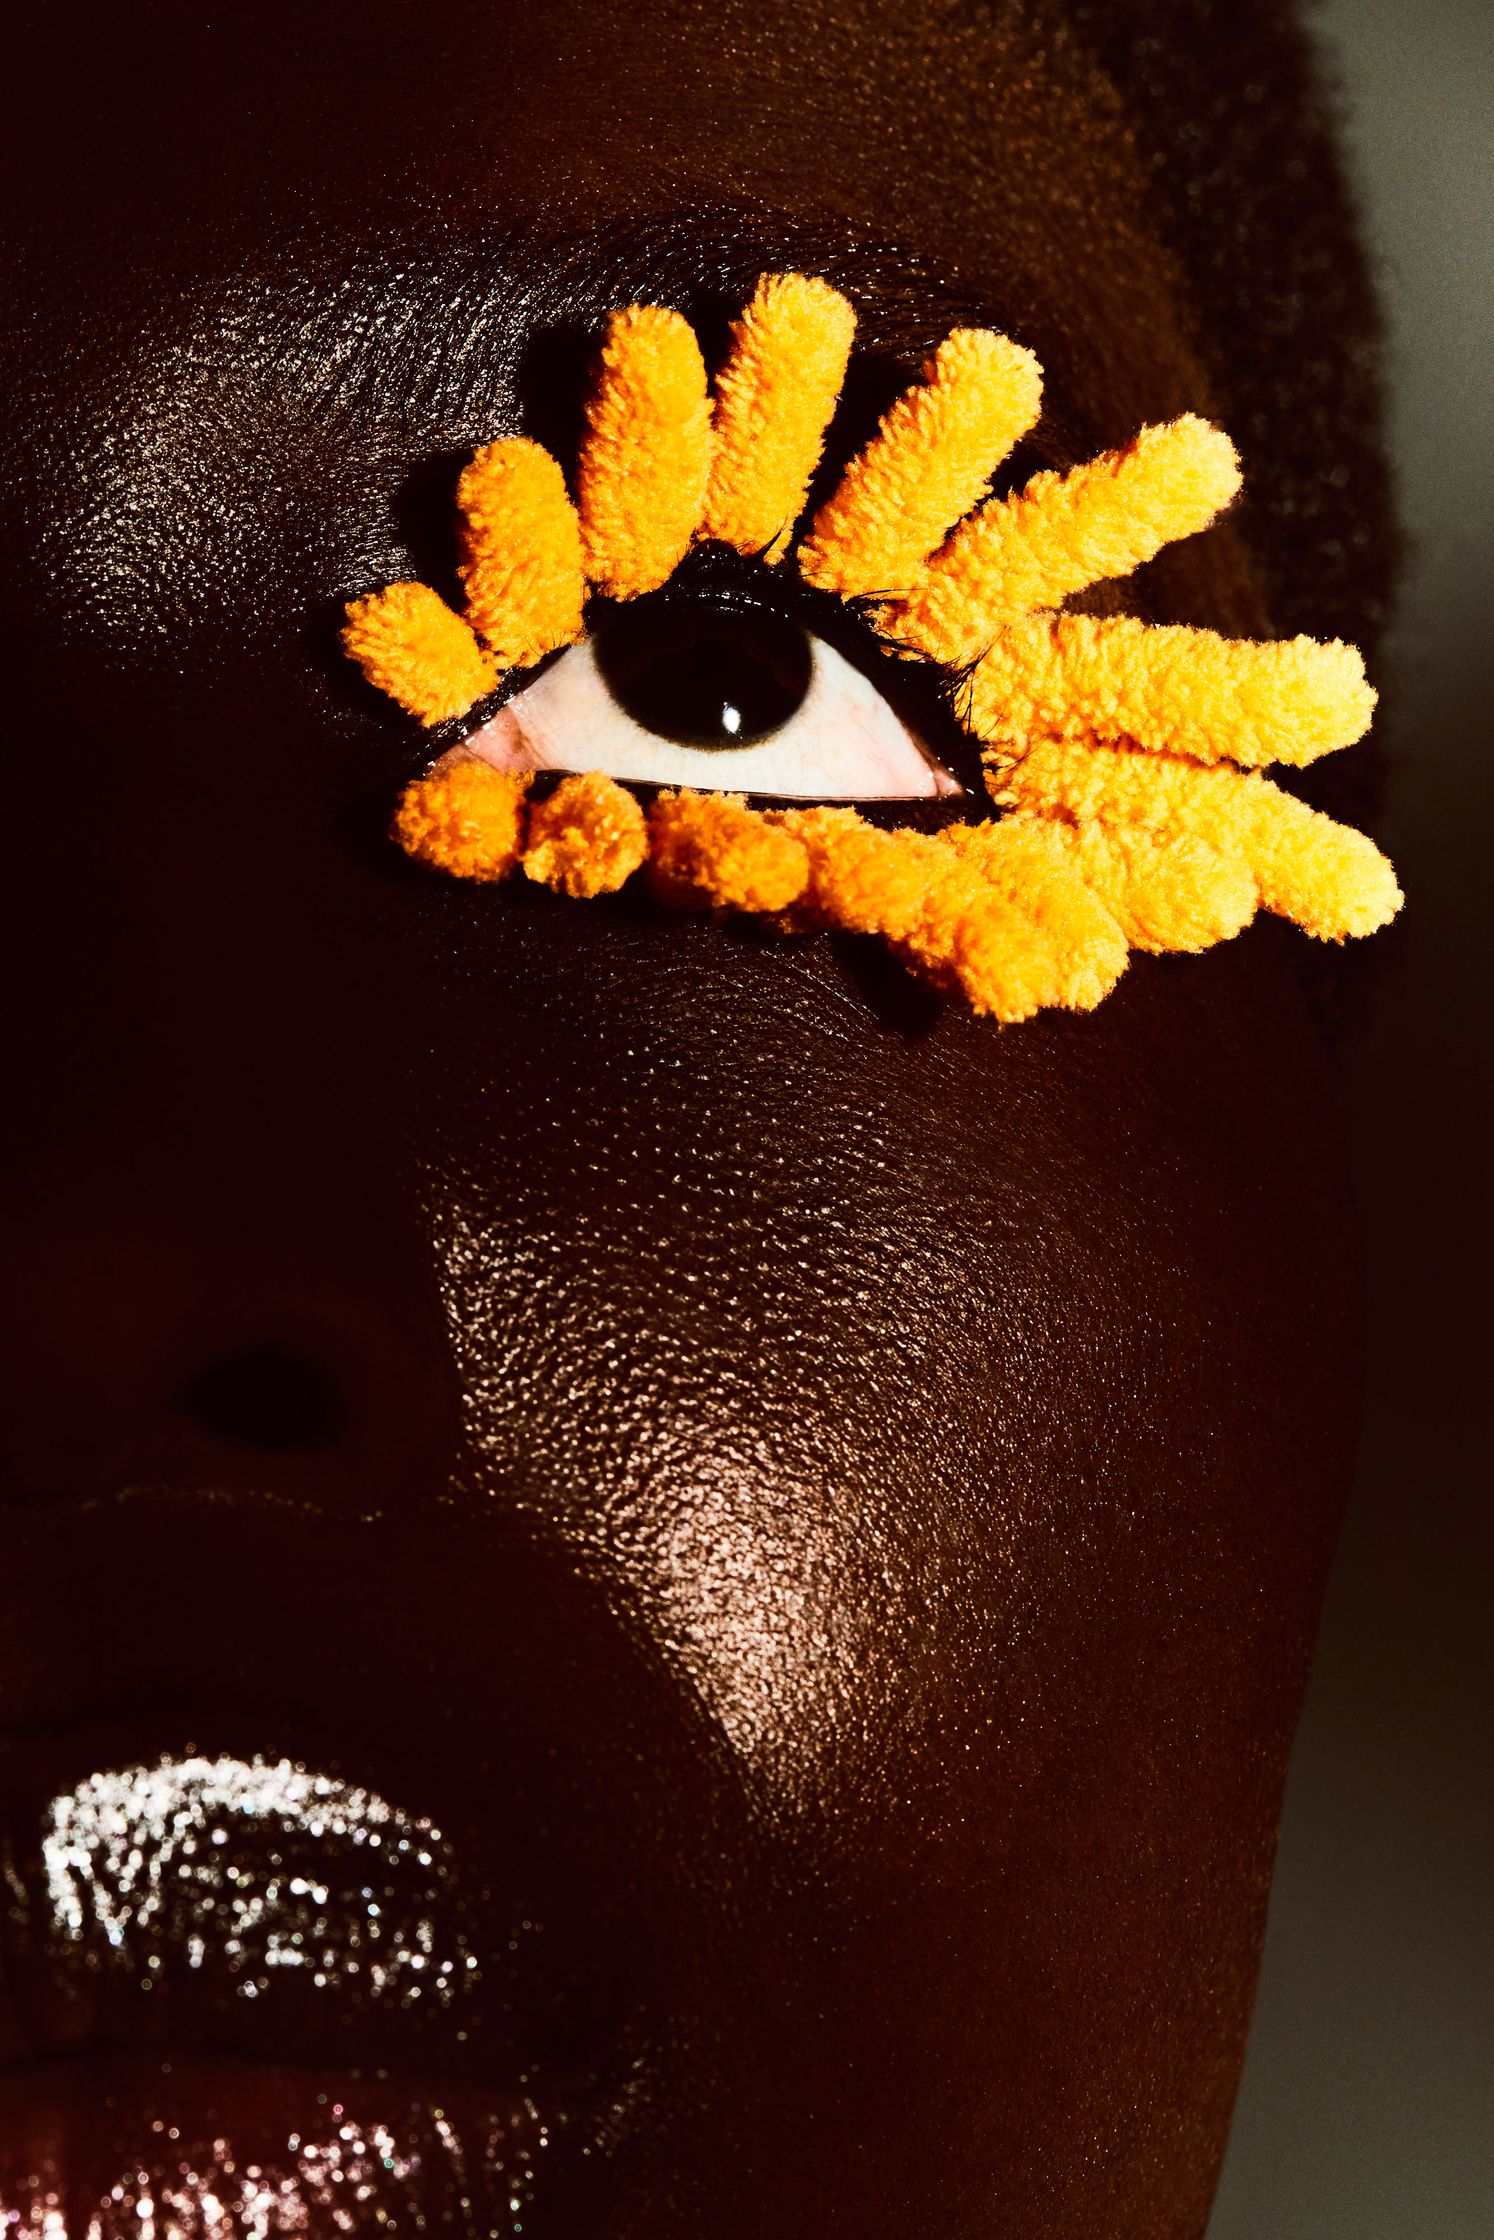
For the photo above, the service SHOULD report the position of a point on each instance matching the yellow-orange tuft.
(710, 851)
(466, 818)
(774, 399)
(521, 552)
(587, 837)
(860, 879)
(646, 453)
(1168, 688)
(1331, 880)
(1013, 929)
(1065, 532)
(1074, 951)
(929, 463)
(410, 645)
(1164, 894)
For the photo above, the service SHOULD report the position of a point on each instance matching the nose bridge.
(216, 1268)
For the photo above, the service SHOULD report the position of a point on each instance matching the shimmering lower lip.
(101, 2149)
(238, 1992)
(261, 1875)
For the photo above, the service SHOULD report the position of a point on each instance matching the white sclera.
(844, 744)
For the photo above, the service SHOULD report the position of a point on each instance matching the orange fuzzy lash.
(1126, 755)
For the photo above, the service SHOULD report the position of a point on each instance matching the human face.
(820, 1501)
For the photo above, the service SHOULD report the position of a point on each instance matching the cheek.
(863, 1361)
(958, 1419)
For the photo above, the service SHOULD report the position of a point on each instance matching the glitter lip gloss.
(134, 2149)
(245, 1996)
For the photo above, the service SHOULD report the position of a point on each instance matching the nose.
(216, 1272)
(267, 1399)
(284, 1350)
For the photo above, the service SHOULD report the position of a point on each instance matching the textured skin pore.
(842, 1490)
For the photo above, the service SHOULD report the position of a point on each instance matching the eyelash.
(923, 693)
(1127, 756)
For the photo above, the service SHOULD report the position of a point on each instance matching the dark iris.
(702, 674)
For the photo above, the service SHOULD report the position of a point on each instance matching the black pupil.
(705, 675)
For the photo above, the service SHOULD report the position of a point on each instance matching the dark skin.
(833, 1494)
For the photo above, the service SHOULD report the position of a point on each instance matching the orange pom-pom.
(587, 837)
(466, 818)
(710, 851)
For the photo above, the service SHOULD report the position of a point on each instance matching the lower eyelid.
(845, 744)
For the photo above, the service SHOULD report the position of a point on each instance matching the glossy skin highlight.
(832, 1495)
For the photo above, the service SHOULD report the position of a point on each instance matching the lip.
(171, 1928)
(479, 1730)
(127, 2145)
(248, 1904)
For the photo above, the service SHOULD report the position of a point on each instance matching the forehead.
(956, 133)
(280, 270)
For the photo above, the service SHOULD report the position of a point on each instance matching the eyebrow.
(515, 314)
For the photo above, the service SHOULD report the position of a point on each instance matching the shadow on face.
(804, 1509)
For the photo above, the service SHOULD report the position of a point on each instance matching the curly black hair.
(1237, 124)
(1237, 121)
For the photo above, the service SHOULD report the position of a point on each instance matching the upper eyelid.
(1161, 730)
(459, 338)
(911, 525)
(667, 459)
(840, 622)
(844, 741)
(491, 324)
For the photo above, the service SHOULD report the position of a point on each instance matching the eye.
(719, 697)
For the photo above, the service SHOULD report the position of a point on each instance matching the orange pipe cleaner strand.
(1127, 755)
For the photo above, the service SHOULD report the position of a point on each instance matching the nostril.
(265, 1397)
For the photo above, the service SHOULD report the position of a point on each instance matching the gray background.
(1367, 2110)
